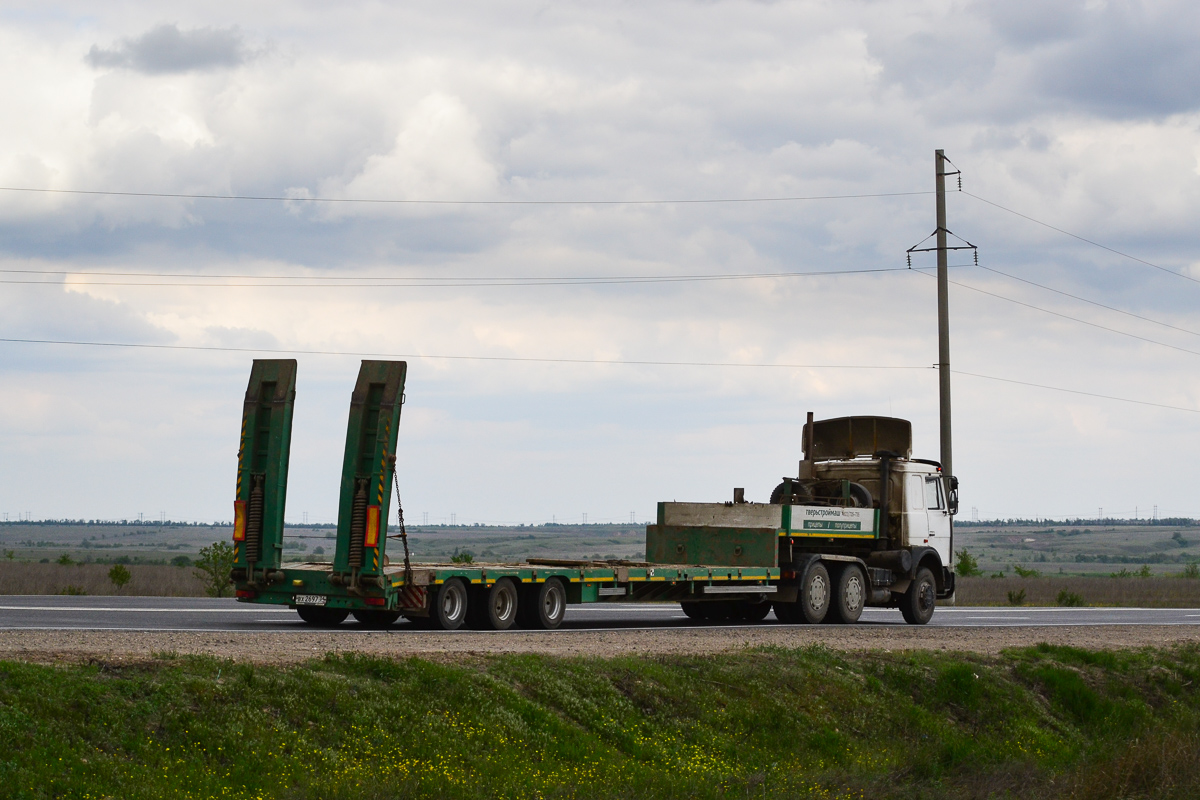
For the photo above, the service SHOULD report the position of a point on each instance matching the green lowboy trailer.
(848, 532)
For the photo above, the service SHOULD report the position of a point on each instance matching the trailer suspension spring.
(254, 520)
(358, 523)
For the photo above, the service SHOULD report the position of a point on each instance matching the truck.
(862, 523)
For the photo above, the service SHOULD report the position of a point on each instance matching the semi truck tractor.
(861, 524)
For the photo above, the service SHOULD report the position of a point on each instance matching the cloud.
(167, 49)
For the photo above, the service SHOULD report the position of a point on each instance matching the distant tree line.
(1112, 522)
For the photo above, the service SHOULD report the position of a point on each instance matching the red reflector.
(371, 539)
(375, 601)
(787, 574)
(245, 593)
(239, 520)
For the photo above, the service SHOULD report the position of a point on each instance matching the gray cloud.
(167, 49)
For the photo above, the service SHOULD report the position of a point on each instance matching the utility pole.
(943, 292)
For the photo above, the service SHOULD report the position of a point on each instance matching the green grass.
(1040, 722)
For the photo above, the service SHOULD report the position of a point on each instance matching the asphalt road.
(52, 612)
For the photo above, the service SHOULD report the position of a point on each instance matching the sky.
(1069, 122)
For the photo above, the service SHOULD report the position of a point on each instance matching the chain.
(403, 532)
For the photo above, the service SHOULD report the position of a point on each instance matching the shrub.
(1016, 598)
(463, 557)
(1069, 599)
(1124, 573)
(213, 567)
(181, 561)
(72, 590)
(1144, 572)
(1025, 572)
(119, 576)
(65, 560)
(1191, 571)
(999, 574)
(966, 565)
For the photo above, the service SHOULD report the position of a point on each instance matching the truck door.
(914, 510)
(938, 515)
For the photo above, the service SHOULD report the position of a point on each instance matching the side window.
(916, 494)
(933, 493)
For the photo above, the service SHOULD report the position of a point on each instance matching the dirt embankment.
(282, 648)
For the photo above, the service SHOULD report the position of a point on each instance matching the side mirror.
(952, 495)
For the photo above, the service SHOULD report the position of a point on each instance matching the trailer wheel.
(322, 617)
(754, 612)
(543, 605)
(499, 606)
(849, 597)
(376, 619)
(692, 610)
(814, 594)
(448, 607)
(917, 604)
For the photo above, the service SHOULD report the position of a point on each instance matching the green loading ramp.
(367, 472)
(263, 468)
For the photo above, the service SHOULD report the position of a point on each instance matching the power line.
(344, 282)
(1083, 239)
(618, 362)
(1067, 316)
(579, 361)
(1075, 391)
(1092, 302)
(389, 201)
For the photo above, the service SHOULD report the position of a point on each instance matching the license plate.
(310, 599)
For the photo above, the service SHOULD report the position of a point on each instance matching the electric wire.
(599, 361)
(1082, 238)
(620, 362)
(1092, 302)
(922, 271)
(1074, 391)
(396, 201)
(345, 282)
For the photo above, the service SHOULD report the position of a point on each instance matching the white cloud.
(677, 100)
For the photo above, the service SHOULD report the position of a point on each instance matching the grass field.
(151, 580)
(1039, 723)
(1131, 592)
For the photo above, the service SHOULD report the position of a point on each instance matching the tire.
(322, 617)
(692, 609)
(753, 612)
(788, 613)
(815, 593)
(799, 493)
(849, 595)
(543, 605)
(917, 604)
(448, 606)
(376, 619)
(498, 605)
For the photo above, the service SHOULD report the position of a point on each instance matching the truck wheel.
(376, 619)
(788, 613)
(692, 609)
(448, 606)
(543, 606)
(753, 612)
(814, 594)
(322, 617)
(498, 611)
(849, 596)
(917, 604)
